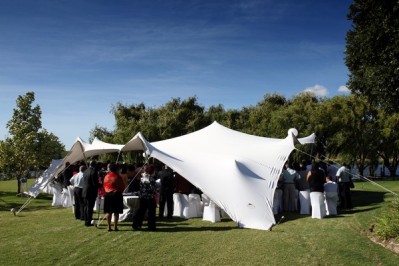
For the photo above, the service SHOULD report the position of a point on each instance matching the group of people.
(154, 185)
(85, 184)
(307, 189)
(316, 189)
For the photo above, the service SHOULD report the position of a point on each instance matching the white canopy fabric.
(98, 147)
(239, 172)
(137, 143)
(81, 150)
(42, 182)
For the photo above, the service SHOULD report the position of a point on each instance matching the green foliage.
(260, 116)
(29, 146)
(48, 147)
(173, 119)
(387, 226)
(101, 133)
(372, 51)
(349, 127)
(23, 127)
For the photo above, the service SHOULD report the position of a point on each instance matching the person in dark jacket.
(166, 191)
(67, 175)
(316, 180)
(90, 190)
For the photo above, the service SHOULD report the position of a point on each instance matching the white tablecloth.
(132, 204)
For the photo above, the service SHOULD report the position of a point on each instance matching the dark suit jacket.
(167, 181)
(90, 183)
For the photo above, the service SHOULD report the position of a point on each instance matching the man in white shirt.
(344, 179)
(77, 183)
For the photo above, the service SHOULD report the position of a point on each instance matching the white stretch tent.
(239, 172)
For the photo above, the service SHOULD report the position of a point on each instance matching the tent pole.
(117, 158)
(28, 201)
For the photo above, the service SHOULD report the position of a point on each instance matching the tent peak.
(292, 131)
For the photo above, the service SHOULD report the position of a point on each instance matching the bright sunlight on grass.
(45, 235)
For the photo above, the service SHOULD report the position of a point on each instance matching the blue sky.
(80, 57)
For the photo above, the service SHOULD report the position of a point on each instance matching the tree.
(388, 123)
(48, 148)
(28, 146)
(296, 113)
(372, 51)
(259, 121)
(215, 113)
(179, 117)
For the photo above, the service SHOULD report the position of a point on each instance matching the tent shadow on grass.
(180, 228)
(8, 200)
(176, 225)
(362, 198)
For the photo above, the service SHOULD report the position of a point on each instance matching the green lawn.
(45, 235)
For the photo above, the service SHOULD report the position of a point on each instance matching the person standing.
(344, 180)
(67, 175)
(303, 187)
(113, 197)
(316, 182)
(290, 193)
(24, 181)
(332, 171)
(278, 197)
(77, 183)
(90, 190)
(166, 191)
(331, 196)
(147, 200)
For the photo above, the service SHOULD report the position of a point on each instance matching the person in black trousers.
(90, 190)
(166, 191)
(147, 200)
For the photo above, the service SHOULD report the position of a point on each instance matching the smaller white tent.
(82, 150)
(98, 147)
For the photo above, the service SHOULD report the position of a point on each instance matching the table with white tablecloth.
(131, 204)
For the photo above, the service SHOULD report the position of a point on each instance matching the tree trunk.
(19, 186)
(386, 164)
(360, 167)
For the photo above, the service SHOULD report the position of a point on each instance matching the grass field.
(45, 235)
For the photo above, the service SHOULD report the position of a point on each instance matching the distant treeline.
(347, 127)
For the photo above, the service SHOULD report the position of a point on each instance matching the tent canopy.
(82, 150)
(238, 171)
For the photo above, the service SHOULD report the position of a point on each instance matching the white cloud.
(318, 90)
(343, 89)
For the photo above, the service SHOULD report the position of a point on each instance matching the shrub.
(388, 225)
